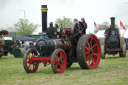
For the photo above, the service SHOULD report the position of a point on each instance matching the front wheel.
(88, 51)
(28, 64)
(58, 61)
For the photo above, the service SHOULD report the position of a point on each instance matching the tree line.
(25, 25)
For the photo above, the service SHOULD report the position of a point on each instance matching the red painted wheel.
(29, 65)
(58, 61)
(88, 51)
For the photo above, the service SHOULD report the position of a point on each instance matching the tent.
(100, 34)
(25, 38)
(123, 33)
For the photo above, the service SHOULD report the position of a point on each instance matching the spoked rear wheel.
(29, 65)
(58, 61)
(88, 51)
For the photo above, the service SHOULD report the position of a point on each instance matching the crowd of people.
(28, 44)
(83, 22)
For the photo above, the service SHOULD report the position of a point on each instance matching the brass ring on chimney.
(44, 9)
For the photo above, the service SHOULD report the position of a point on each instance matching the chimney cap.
(43, 6)
(112, 18)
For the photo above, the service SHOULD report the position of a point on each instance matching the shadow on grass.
(7, 57)
(112, 57)
(45, 72)
(74, 68)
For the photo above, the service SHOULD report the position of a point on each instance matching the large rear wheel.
(123, 47)
(58, 61)
(123, 53)
(29, 65)
(88, 51)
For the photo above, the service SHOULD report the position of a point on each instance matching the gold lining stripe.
(55, 43)
(44, 9)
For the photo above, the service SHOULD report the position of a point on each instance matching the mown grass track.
(111, 71)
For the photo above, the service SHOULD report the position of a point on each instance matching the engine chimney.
(44, 17)
(112, 23)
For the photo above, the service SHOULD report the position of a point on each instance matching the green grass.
(111, 71)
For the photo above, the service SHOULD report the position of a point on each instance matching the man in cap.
(84, 23)
(75, 20)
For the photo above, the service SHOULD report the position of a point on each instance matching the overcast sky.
(92, 10)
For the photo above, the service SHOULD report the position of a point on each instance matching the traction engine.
(2, 42)
(61, 49)
(113, 43)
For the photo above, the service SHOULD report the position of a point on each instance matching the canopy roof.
(25, 38)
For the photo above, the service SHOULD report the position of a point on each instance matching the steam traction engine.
(71, 46)
(9, 46)
(2, 42)
(113, 43)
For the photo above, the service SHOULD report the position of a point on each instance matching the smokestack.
(44, 17)
(113, 23)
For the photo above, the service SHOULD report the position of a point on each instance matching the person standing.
(75, 20)
(85, 24)
(27, 45)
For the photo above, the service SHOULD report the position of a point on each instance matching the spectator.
(27, 45)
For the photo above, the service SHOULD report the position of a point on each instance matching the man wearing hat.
(75, 20)
(84, 23)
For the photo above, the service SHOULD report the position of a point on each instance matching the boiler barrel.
(19, 52)
(47, 46)
(61, 43)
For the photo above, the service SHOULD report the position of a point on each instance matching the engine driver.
(75, 20)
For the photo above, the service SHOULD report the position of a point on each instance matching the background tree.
(66, 22)
(20, 27)
(104, 26)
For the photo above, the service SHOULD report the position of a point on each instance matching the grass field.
(111, 71)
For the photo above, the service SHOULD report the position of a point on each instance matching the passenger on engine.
(106, 31)
(75, 20)
(85, 24)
